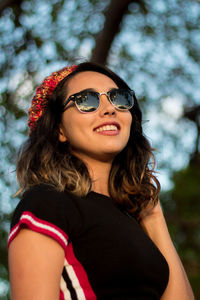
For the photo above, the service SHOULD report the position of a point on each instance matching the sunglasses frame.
(73, 98)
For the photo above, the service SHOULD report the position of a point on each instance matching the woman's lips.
(108, 129)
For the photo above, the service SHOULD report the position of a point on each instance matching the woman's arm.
(35, 265)
(178, 286)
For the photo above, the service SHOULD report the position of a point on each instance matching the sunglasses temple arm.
(66, 102)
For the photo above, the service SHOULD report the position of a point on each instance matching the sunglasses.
(89, 101)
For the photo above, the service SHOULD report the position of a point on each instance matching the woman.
(89, 225)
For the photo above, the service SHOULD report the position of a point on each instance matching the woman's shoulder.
(45, 200)
(39, 190)
(45, 194)
(46, 210)
(43, 205)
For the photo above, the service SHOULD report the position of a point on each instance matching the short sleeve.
(43, 209)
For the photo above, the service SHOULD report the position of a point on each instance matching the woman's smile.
(109, 128)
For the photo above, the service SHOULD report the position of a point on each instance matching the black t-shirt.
(107, 253)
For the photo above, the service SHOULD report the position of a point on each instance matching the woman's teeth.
(107, 127)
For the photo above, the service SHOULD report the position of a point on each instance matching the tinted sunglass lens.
(87, 102)
(122, 99)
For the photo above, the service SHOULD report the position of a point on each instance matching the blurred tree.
(182, 205)
(154, 45)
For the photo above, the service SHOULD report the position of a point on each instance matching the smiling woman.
(89, 224)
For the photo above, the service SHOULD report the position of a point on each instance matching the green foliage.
(187, 190)
(184, 219)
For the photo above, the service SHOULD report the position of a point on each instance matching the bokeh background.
(155, 46)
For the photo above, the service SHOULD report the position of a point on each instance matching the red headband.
(43, 93)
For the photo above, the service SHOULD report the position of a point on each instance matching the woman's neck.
(99, 172)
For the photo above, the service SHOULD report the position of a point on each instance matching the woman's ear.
(62, 137)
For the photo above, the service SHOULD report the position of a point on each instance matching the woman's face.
(90, 134)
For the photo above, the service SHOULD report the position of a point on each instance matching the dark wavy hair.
(44, 159)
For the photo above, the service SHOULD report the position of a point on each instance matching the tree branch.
(8, 3)
(113, 17)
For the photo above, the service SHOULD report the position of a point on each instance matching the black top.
(107, 253)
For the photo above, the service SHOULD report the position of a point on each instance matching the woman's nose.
(106, 107)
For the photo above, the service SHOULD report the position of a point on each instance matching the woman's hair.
(44, 159)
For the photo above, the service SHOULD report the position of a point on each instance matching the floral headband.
(43, 93)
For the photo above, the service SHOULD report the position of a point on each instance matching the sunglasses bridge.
(106, 94)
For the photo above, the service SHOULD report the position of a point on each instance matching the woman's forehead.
(89, 79)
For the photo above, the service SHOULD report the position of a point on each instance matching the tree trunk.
(113, 17)
(8, 3)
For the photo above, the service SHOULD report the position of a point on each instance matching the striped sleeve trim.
(78, 277)
(64, 294)
(31, 221)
